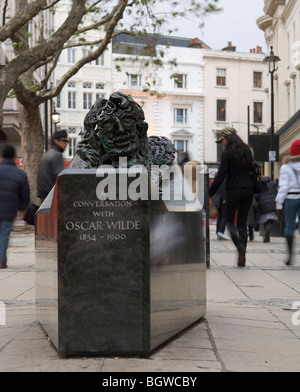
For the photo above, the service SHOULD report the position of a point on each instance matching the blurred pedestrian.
(289, 194)
(236, 163)
(14, 197)
(219, 200)
(252, 219)
(267, 207)
(184, 159)
(52, 164)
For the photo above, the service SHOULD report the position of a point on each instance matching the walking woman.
(236, 164)
(267, 207)
(289, 194)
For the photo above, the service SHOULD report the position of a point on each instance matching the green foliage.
(17, 44)
(11, 94)
(34, 87)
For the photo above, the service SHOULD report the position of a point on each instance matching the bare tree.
(106, 15)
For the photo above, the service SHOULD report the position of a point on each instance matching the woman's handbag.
(30, 212)
(212, 209)
(259, 184)
(217, 200)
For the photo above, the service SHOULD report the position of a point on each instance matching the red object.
(18, 162)
(66, 164)
(46, 224)
(295, 148)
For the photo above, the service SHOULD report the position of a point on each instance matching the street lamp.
(55, 117)
(272, 60)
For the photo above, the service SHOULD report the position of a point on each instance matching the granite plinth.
(116, 277)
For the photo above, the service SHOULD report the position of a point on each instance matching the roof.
(127, 43)
(295, 119)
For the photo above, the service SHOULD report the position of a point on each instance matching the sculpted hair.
(118, 103)
(99, 122)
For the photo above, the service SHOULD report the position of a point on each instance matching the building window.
(71, 56)
(180, 116)
(257, 79)
(98, 96)
(71, 84)
(85, 53)
(221, 77)
(180, 81)
(221, 110)
(181, 145)
(87, 85)
(72, 146)
(58, 101)
(71, 100)
(257, 112)
(134, 80)
(87, 101)
(99, 86)
(100, 60)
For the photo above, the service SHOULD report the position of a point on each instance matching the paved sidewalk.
(248, 327)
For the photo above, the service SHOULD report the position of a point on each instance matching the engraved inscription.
(103, 223)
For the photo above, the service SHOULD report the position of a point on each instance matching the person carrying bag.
(236, 164)
(289, 194)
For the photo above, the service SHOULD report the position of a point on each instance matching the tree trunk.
(32, 145)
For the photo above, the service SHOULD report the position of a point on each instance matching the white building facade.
(206, 91)
(194, 92)
(281, 24)
(235, 94)
(92, 81)
(172, 95)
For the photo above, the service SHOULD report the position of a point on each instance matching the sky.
(236, 23)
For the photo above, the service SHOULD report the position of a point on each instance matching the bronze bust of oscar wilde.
(116, 128)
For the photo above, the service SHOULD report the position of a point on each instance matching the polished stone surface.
(117, 277)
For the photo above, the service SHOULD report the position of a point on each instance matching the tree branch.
(90, 57)
(103, 21)
(83, 43)
(21, 18)
(28, 58)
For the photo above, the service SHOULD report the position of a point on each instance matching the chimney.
(229, 47)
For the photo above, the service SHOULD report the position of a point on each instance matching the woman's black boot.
(290, 249)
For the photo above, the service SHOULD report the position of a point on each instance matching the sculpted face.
(118, 131)
(116, 128)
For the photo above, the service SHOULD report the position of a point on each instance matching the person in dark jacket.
(14, 197)
(236, 163)
(52, 164)
(267, 207)
(252, 219)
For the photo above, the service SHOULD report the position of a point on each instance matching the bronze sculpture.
(116, 128)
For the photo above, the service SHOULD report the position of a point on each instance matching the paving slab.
(251, 324)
